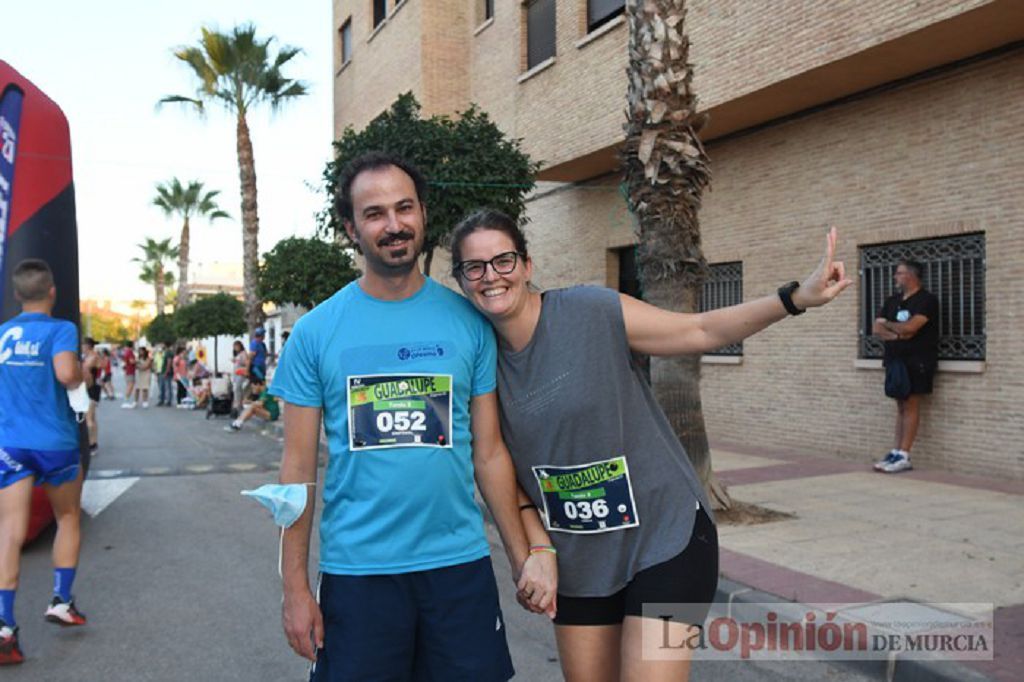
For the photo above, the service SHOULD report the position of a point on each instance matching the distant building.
(900, 122)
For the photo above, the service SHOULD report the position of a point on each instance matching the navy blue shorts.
(443, 624)
(47, 466)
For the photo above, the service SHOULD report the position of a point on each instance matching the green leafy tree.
(154, 258)
(304, 271)
(238, 71)
(468, 161)
(161, 329)
(186, 201)
(210, 316)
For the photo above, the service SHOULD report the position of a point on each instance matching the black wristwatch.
(786, 296)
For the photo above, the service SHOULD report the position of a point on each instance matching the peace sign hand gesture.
(826, 282)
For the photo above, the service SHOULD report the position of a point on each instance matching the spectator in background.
(258, 355)
(181, 373)
(107, 378)
(92, 368)
(262, 405)
(144, 378)
(128, 357)
(240, 370)
(908, 324)
(165, 377)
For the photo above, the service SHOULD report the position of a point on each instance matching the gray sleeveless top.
(573, 397)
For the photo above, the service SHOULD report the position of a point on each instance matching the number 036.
(585, 510)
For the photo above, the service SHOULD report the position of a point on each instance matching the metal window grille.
(380, 11)
(954, 270)
(540, 32)
(346, 41)
(723, 288)
(600, 12)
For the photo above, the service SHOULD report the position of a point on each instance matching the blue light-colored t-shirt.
(34, 409)
(259, 360)
(398, 492)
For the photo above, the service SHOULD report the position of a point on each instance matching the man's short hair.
(32, 279)
(371, 161)
(914, 266)
(89, 341)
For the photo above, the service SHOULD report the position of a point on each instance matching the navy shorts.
(47, 466)
(689, 579)
(442, 624)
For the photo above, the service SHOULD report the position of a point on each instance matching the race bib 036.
(589, 498)
(399, 410)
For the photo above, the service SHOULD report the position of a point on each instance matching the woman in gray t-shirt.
(593, 450)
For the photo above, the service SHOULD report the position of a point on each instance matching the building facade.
(898, 121)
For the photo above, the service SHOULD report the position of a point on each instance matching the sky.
(108, 62)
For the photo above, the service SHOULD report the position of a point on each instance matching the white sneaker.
(898, 464)
(127, 406)
(145, 405)
(881, 464)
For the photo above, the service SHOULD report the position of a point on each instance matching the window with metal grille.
(600, 12)
(488, 9)
(954, 270)
(540, 32)
(723, 288)
(380, 11)
(346, 41)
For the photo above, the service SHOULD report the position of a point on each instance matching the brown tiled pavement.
(859, 536)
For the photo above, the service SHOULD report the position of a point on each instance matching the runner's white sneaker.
(881, 464)
(898, 464)
(64, 612)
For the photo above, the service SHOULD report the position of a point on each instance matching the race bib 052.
(589, 498)
(399, 410)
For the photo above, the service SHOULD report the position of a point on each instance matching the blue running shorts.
(442, 624)
(54, 467)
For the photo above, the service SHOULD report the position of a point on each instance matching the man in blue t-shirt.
(402, 370)
(38, 444)
(258, 355)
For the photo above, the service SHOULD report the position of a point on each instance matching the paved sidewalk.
(859, 536)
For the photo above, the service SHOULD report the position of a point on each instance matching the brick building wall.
(932, 158)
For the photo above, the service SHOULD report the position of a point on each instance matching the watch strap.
(786, 296)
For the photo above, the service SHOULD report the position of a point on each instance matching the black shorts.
(439, 624)
(689, 578)
(921, 372)
(94, 392)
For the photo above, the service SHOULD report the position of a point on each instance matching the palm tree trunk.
(666, 172)
(250, 225)
(158, 284)
(183, 245)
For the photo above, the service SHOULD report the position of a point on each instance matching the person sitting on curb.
(263, 406)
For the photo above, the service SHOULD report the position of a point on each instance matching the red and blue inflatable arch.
(37, 211)
(37, 196)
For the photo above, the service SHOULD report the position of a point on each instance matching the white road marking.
(97, 495)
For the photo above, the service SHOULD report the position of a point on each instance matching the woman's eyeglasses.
(473, 270)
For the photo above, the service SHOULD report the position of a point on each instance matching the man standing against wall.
(38, 444)
(908, 324)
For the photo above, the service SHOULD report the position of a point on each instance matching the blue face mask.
(285, 501)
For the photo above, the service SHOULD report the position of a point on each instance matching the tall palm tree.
(154, 272)
(237, 71)
(186, 201)
(666, 172)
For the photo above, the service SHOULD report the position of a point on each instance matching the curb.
(893, 669)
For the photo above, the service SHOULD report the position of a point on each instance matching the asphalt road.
(178, 575)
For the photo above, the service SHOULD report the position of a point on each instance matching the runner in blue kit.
(402, 371)
(38, 444)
